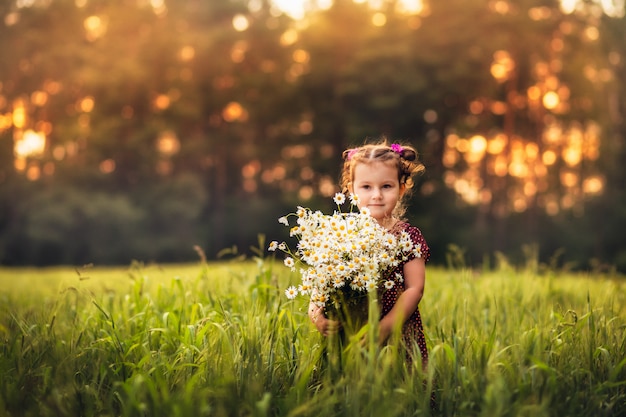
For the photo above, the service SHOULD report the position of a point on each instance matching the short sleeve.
(418, 239)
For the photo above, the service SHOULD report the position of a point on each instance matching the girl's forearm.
(403, 309)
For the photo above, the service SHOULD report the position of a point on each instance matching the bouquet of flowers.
(343, 255)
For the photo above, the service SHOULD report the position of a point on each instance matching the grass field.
(221, 339)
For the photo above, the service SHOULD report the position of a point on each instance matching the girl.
(380, 175)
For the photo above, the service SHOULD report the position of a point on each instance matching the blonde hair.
(404, 157)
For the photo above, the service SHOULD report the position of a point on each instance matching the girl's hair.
(404, 157)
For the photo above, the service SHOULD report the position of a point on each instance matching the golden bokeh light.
(33, 172)
(234, 112)
(240, 23)
(551, 100)
(19, 114)
(289, 37)
(379, 19)
(162, 102)
(502, 65)
(168, 143)
(187, 53)
(593, 185)
(301, 56)
(94, 27)
(29, 144)
(107, 166)
(238, 51)
(39, 98)
(87, 104)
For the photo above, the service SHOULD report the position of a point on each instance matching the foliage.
(221, 339)
(258, 117)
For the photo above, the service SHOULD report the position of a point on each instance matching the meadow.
(221, 339)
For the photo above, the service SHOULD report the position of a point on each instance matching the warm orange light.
(549, 157)
(162, 102)
(19, 115)
(30, 144)
(240, 23)
(502, 65)
(500, 6)
(327, 186)
(532, 151)
(593, 185)
(497, 144)
(87, 104)
(301, 56)
(501, 166)
(499, 107)
(572, 156)
(450, 158)
(233, 112)
(530, 188)
(107, 166)
(251, 169)
(551, 100)
(477, 144)
(476, 107)
(305, 127)
(289, 37)
(6, 121)
(379, 19)
(306, 192)
(518, 169)
(592, 33)
(187, 53)
(168, 143)
(238, 52)
(94, 27)
(33, 173)
(569, 178)
(39, 98)
(533, 93)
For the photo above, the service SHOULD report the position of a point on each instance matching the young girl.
(380, 175)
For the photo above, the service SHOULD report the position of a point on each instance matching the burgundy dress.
(412, 330)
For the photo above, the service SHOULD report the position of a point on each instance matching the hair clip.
(397, 148)
(351, 153)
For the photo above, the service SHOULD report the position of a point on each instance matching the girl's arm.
(325, 326)
(414, 280)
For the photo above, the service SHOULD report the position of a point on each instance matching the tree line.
(140, 130)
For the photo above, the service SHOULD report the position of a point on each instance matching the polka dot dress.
(412, 330)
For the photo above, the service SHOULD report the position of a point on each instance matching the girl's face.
(377, 186)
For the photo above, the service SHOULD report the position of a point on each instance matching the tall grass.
(220, 339)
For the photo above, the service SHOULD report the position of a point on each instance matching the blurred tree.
(204, 121)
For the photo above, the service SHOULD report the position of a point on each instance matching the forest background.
(138, 130)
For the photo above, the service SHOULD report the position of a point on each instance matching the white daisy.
(291, 292)
(339, 199)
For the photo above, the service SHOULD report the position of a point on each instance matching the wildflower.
(283, 220)
(291, 292)
(347, 251)
(339, 199)
(289, 262)
(354, 199)
(273, 246)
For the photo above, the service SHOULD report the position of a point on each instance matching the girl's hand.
(325, 326)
